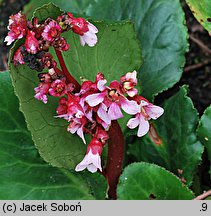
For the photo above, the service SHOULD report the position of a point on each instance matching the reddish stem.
(115, 158)
(69, 77)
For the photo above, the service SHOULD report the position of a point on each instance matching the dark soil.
(199, 80)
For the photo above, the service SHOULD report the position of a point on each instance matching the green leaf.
(97, 184)
(116, 53)
(163, 35)
(144, 181)
(202, 11)
(23, 174)
(203, 131)
(176, 130)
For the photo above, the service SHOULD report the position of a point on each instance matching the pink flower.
(18, 57)
(110, 100)
(79, 26)
(17, 27)
(92, 160)
(74, 114)
(128, 82)
(77, 125)
(103, 116)
(86, 30)
(89, 87)
(31, 43)
(101, 135)
(42, 91)
(58, 88)
(74, 107)
(147, 111)
(51, 31)
(89, 37)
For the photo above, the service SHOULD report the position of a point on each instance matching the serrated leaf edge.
(161, 168)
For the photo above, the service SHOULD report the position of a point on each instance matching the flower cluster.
(100, 104)
(91, 107)
(40, 36)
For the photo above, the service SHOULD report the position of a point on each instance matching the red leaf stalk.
(69, 77)
(115, 158)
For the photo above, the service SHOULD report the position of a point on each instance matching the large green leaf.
(202, 11)
(161, 30)
(116, 53)
(176, 129)
(23, 174)
(163, 36)
(204, 131)
(142, 181)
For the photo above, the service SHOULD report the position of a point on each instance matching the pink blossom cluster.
(40, 36)
(91, 107)
(100, 104)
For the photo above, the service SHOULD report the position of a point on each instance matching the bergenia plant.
(89, 108)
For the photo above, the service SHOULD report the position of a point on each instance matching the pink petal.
(143, 126)
(89, 115)
(95, 99)
(96, 161)
(130, 107)
(82, 165)
(92, 28)
(133, 122)
(92, 168)
(9, 40)
(91, 162)
(82, 41)
(101, 84)
(89, 38)
(153, 111)
(143, 103)
(132, 76)
(132, 92)
(73, 128)
(102, 113)
(44, 99)
(41, 97)
(81, 134)
(114, 112)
